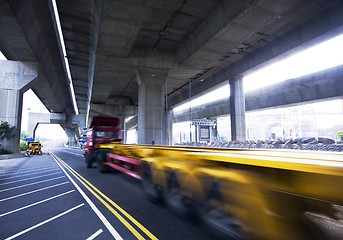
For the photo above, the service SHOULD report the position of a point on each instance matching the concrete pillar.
(79, 122)
(169, 127)
(15, 79)
(151, 107)
(70, 131)
(124, 133)
(237, 110)
(82, 123)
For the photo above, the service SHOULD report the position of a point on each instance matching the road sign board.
(204, 122)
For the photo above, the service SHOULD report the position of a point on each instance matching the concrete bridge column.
(151, 110)
(237, 110)
(169, 128)
(15, 79)
(70, 131)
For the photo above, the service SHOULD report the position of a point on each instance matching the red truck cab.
(102, 130)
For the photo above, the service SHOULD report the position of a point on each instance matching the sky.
(2, 57)
(31, 103)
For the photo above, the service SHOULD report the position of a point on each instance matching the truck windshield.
(111, 134)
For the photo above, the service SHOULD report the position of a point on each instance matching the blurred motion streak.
(241, 194)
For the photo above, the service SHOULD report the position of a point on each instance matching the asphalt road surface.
(56, 197)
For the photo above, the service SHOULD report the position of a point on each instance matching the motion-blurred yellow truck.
(242, 194)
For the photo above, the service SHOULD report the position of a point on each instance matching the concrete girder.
(212, 25)
(144, 58)
(121, 111)
(114, 110)
(327, 24)
(326, 84)
(132, 123)
(72, 124)
(36, 23)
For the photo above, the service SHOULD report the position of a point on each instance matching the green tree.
(6, 131)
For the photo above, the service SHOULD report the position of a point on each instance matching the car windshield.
(110, 134)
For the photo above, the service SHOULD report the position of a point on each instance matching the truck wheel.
(152, 191)
(101, 159)
(221, 224)
(178, 203)
(89, 160)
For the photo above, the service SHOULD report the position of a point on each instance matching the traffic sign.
(204, 122)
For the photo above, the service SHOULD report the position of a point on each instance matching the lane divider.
(103, 219)
(93, 189)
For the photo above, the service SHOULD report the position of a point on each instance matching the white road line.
(97, 233)
(29, 170)
(21, 180)
(46, 221)
(36, 203)
(74, 153)
(7, 189)
(38, 190)
(22, 175)
(103, 219)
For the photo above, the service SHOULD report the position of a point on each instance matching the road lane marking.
(127, 225)
(46, 221)
(51, 179)
(29, 170)
(134, 221)
(30, 178)
(97, 233)
(36, 203)
(74, 153)
(103, 219)
(25, 175)
(38, 190)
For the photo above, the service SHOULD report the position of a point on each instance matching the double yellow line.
(99, 195)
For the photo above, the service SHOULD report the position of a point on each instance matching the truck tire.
(101, 159)
(89, 160)
(220, 224)
(151, 190)
(176, 202)
(227, 225)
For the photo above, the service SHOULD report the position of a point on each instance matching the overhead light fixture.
(66, 63)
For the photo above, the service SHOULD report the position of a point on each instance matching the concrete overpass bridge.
(141, 57)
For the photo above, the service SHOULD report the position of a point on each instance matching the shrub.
(340, 135)
(22, 146)
(6, 131)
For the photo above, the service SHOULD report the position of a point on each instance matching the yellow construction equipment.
(34, 148)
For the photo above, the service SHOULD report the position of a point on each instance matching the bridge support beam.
(151, 107)
(15, 79)
(237, 110)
